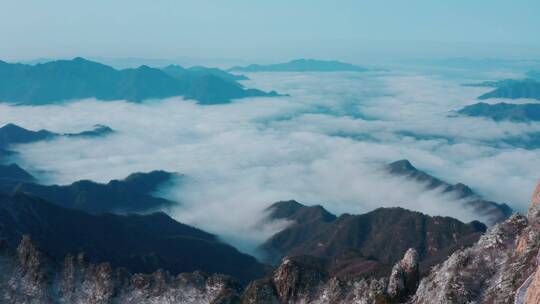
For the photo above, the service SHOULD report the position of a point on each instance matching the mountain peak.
(401, 167)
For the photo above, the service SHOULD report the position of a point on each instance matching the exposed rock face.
(303, 279)
(500, 268)
(535, 202)
(29, 276)
(405, 276)
(532, 295)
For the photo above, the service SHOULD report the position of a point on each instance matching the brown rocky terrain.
(366, 245)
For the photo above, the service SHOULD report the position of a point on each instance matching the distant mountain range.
(492, 212)
(65, 80)
(199, 71)
(132, 194)
(512, 88)
(503, 111)
(12, 134)
(302, 65)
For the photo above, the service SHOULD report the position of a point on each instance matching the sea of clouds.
(327, 143)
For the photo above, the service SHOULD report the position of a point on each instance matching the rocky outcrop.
(303, 279)
(404, 277)
(30, 276)
(532, 295)
(499, 268)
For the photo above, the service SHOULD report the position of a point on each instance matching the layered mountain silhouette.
(135, 193)
(365, 245)
(503, 111)
(302, 65)
(139, 243)
(493, 212)
(65, 80)
(180, 72)
(513, 89)
(12, 134)
(12, 173)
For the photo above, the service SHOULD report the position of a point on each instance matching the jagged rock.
(298, 278)
(405, 276)
(30, 276)
(261, 291)
(500, 268)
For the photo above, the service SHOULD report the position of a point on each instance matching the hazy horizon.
(235, 32)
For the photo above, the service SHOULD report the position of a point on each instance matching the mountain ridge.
(302, 65)
(65, 80)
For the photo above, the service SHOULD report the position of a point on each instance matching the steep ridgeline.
(366, 245)
(139, 243)
(503, 111)
(12, 134)
(302, 65)
(12, 174)
(492, 212)
(502, 267)
(134, 194)
(65, 80)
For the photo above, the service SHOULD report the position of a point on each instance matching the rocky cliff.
(30, 276)
(500, 268)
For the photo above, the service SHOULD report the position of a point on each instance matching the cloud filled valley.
(326, 143)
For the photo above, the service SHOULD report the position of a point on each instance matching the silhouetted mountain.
(97, 131)
(132, 194)
(11, 134)
(368, 244)
(210, 89)
(140, 243)
(64, 80)
(493, 212)
(13, 173)
(302, 65)
(180, 72)
(526, 88)
(491, 84)
(503, 111)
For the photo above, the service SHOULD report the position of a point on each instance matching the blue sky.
(269, 30)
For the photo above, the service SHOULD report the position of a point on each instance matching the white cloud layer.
(325, 144)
